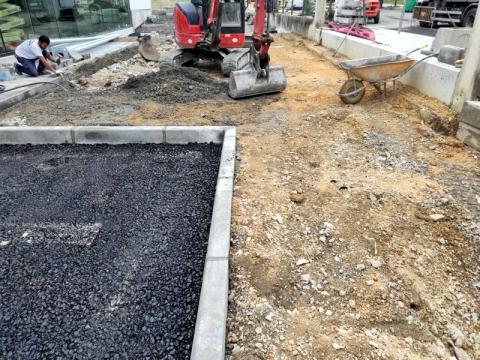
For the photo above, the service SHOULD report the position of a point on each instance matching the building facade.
(23, 19)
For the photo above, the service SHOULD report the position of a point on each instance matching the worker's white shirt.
(29, 49)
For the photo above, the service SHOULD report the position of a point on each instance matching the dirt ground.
(356, 230)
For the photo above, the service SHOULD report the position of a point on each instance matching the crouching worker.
(31, 51)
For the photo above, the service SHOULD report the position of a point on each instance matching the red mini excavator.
(215, 30)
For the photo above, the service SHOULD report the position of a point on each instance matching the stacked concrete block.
(449, 54)
(469, 127)
(459, 37)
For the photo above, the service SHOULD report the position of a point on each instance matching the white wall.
(140, 9)
(140, 4)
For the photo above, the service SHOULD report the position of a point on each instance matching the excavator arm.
(259, 78)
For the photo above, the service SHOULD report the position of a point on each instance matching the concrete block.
(36, 135)
(227, 161)
(449, 54)
(471, 113)
(291, 23)
(219, 237)
(194, 134)
(210, 328)
(119, 134)
(230, 131)
(451, 36)
(469, 135)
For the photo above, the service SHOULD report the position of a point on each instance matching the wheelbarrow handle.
(419, 48)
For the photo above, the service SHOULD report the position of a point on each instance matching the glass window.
(231, 14)
(23, 19)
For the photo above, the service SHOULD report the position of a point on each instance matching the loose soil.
(355, 230)
(102, 249)
(172, 84)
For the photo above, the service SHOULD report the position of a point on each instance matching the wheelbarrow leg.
(394, 86)
(384, 94)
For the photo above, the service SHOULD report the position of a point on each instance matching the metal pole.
(402, 15)
(319, 18)
(3, 41)
(470, 69)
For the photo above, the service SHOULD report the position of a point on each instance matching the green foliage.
(309, 7)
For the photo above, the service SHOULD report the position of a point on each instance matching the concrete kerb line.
(210, 327)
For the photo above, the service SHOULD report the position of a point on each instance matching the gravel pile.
(173, 84)
(102, 249)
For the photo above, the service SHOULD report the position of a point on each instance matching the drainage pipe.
(97, 42)
(70, 40)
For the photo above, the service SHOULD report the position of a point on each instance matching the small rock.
(301, 262)
(297, 198)
(269, 317)
(437, 217)
(83, 80)
(327, 228)
(442, 241)
(4, 243)
(370, 282)
(360, 267)
(459, 341)
(373, 344)
(352, 303)
(329, 312)
(233, 338)
(306, 278)
(236, 350)
(375, 263)
(426, 115)
(338, 346)
(278, 218)
(460, 354)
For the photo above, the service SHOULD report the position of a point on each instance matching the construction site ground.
(355, 229)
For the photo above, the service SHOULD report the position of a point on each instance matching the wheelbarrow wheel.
(350, 86)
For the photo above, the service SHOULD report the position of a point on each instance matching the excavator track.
(237, 59)
(178, 57)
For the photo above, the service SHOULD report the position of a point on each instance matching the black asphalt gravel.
(102, 249)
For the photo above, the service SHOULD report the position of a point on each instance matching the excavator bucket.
(147, 50)
(245, 83)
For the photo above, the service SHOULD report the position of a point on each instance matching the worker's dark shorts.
(27, 66)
